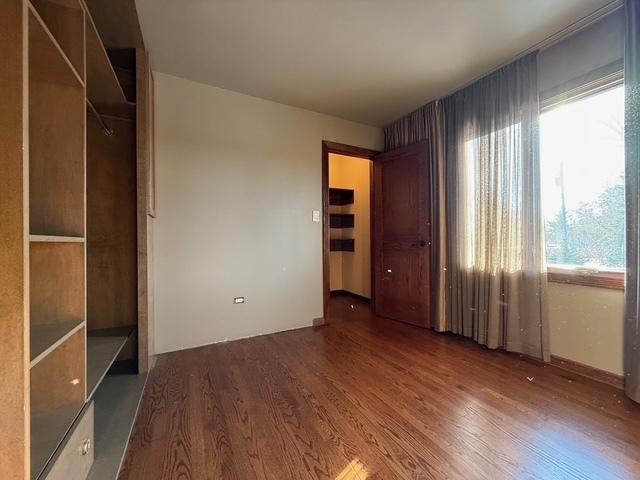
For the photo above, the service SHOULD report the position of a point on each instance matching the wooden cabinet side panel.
(143, 141)
(14, 336)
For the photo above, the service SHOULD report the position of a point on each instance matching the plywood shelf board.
(65, 21)
(46, 338)
(44, 49)
(341, 196)
(116, 401)
(48, 430)
(341, 220)
(103, 346)
(57, 386)
(55, 239)
(342, 245)
(103, 88)
(56, 143)
(57, 283)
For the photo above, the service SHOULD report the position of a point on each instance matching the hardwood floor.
(372, 398)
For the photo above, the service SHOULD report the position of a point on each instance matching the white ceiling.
(370, 61)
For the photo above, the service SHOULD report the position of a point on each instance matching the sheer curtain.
(632, 192)
(495, 278)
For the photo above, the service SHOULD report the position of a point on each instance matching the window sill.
(611, 280)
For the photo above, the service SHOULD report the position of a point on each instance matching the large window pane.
(582, 155)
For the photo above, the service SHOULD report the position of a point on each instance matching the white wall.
(237, 180)
(586, 325)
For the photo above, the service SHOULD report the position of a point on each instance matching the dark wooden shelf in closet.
(342, 245)
(340, 196)
(341, 220)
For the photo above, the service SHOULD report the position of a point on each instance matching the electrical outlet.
(315, 216)
(238, 300)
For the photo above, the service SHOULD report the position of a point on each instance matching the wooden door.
(401, 221)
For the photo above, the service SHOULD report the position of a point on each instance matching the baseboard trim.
(318, 322)
(587, 371)
(346, 293)
(226, 340)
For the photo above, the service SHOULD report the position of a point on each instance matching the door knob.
(421, 243)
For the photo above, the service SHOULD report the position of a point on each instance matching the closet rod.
(107, 130)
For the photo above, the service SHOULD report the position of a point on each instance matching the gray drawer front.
(75, 457)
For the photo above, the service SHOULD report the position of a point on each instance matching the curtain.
(495, 244)
(427, 123)
(632, 192)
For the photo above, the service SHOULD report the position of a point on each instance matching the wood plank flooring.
(371, 398)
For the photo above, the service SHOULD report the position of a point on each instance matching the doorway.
(399, 234)
(348, 202)
(403, 247)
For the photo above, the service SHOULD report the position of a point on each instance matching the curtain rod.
(107, 130)
(551, 40)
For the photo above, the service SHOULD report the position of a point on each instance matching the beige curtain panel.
(495, 238)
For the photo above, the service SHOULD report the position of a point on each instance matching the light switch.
(315, 214)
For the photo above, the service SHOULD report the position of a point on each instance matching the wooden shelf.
(112, 255)
(103, 87)
(340, 196)
(55, 239)
(46, 54)
(45, 338)
(57, 396)
(342, 245)
(48, 429)
(64, 20)
(56, 137)
(341, 220)
(117, 401)
(57, 291)
(103, 346)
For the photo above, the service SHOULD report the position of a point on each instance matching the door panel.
(400, 212)
(402, 235)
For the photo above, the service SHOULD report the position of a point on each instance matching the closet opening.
(347, 222)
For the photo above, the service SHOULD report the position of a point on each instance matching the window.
(491, 162)
(582, 159)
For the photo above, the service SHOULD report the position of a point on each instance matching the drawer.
(75, 456)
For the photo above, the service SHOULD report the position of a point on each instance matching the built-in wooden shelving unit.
(56, 215)
(341, 197)
(71, 166)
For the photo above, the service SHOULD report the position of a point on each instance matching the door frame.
(351, 151)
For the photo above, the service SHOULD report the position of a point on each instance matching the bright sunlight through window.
(582, 156)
